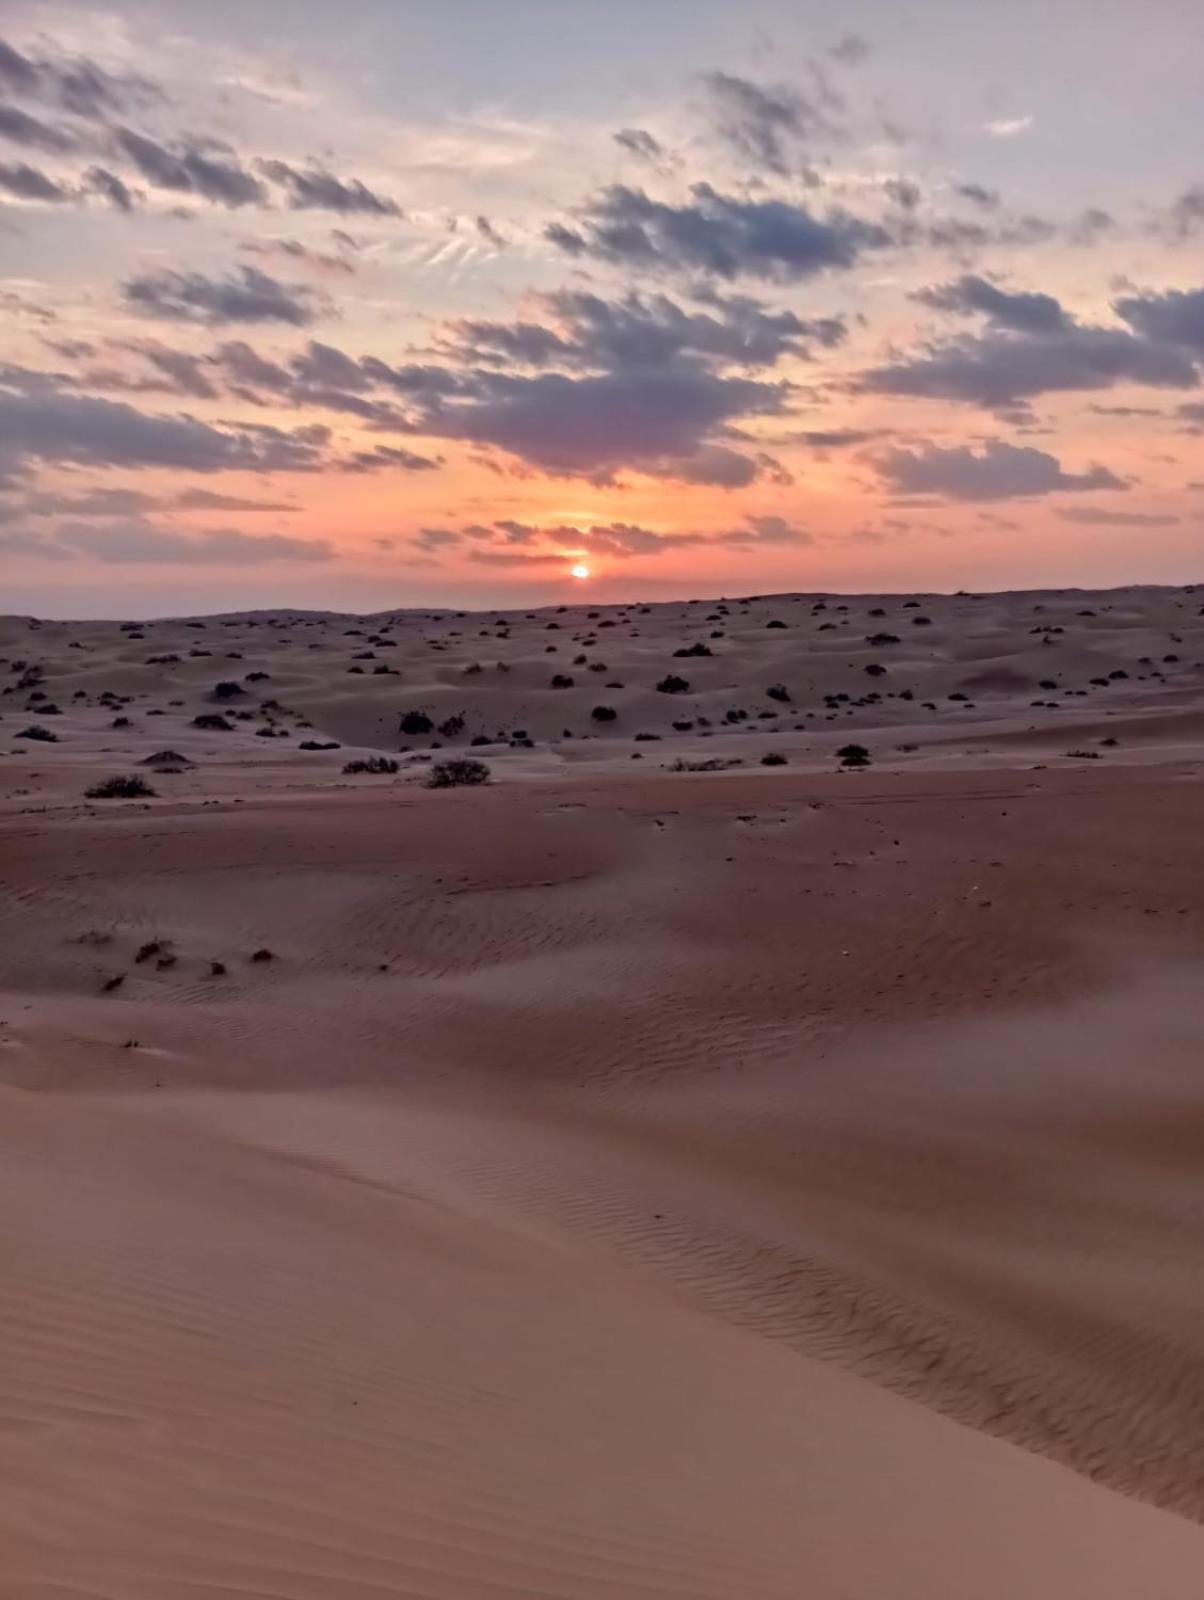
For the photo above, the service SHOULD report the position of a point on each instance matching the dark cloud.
(1175, 317)
(313, 188)
(1001, 369)
(384, 456)
(1191, 411)
(247, 295)
(72, 84)
(658, 421)
(18, 127)
(903, 193)
(211, 171)
(28, 183)
(139, 542)
(588, 331)
(1021, 312)
(765, 126)
(978, 195)
(38, 422)
(836, 438)
(324, 261)
(640, 143)
(494, 545)
(106, 184)
(211, 500)
(489, 233)
(1116, 519)
(998, 471)
(775, 240)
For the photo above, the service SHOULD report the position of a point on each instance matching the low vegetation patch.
(463, 772)
(374, 764)
(120, 788)
(853, 755)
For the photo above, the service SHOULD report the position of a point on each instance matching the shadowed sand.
(618, 1181)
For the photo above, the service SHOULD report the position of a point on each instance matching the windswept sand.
(619, 1181)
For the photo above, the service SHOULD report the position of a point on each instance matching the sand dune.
(614, 1180)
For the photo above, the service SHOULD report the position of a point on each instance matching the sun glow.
(579, 571)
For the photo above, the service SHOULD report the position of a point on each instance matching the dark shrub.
(604, 714)
(262, 954)
(460, 773)
(773, 758)
(42, 735)
(696, 649)
(416, 722)
(380, 764)
(673, 685)
(775, 624)
(212, 722)
(228, 690)
(778, 691)
(562, 681)
(318, 744)
(134, 788)
(451, 727)
(854, 755)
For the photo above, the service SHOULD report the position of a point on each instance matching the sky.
(498, 302)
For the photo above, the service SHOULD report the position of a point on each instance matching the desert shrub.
(318, 744)
(604, 714)
(263, 954)
(715, 764)
(165, 758)
(212, 722)
(778, 691)
(561, 680)
(120, 788)
(463, 772)
(452, 727)
(773, 758)
(854, 755)
(42, 735)
(378, 764)
(775, 624)
(673, 685)
(414, 722)
(696, 649)
(228, 690)
(882, 638)
(875, 670)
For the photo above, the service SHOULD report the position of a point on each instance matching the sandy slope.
(618, 1182)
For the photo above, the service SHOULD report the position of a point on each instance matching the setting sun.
(579, 571)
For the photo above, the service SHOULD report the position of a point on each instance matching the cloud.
(1021, 312)
(493, 545)
(24, 182)
(73, 84)
(1008, 127)
(589, 331)
(212, 171)
(211, 500)
(999, 471)
(765, 126)
(313, 188)
(1175, 317)
(660, 422)
(774, 240)
(638, 142)
(144, 542)
(106, 184)
(836, 438)
(978, 195)
(1001, 368)
(247, 295)
(383, 455)
(19, 127)
(851, 50)
(1116, 519)
(45, 424)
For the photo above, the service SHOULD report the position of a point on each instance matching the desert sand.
(622, 1178)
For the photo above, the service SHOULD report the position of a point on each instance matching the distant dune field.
(620, 1178)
